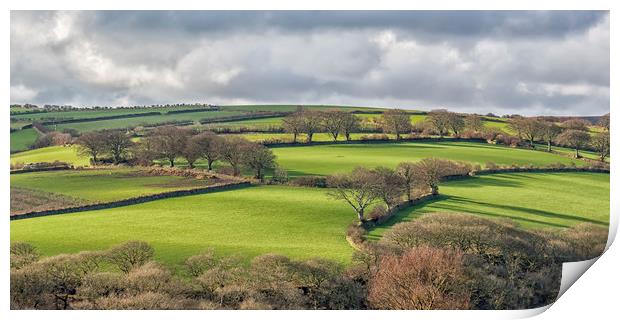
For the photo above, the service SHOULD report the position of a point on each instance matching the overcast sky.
(502, 62)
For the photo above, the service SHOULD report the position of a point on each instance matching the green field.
(298, 222)
(304, 222)
(102, 185)
(140, 121)
(95, 113)
(50, 154)
(22, 139)
(327, 159)
(531, 199)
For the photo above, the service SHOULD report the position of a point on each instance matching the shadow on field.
(488, 181)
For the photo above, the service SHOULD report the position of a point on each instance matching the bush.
(130, 255)
(198, 264)
(23, 254)
(375, 137)
(280, 175)
(310, 181)
(423, 278)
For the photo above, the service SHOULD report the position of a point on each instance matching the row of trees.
(309, 122)
(170, 143)
(572, 133)
(363, 187)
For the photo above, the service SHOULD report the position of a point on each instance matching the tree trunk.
(360, 215)
(310, 137)
(397, 135)
(190, 164)
(171, 162)
(294, 137)
(408, 193)
(209, 164)
(348, 136)
(549, 146)
(577, 153)
(435, 190)
(335, 136)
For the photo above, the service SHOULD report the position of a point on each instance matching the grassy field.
(50, 154)
(327, 159)
(139, 121)
(102, 185)
(531, 199)
(298, 222)
(304, 222)
(22, 139)
(92, 113)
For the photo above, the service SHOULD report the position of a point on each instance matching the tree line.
(169, 143)
(363, 187)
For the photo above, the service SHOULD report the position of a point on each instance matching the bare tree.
(473, 122)
(207, 144)
(439, 121)
(293, 124)
(333, 122)
(232, 150)
(455, 122)
(396, 122)
(258, 158)
(169, 142)
(429, 171)
(117, 143)
(604, 121)
(191, 151)
(576, 124)
(389, 186)
(350, 123)
(130, 254)
(91, 144)
(601, 143)
(358, 189)
(575, 139)
(310, 123)
(406, 170)
(549, 132)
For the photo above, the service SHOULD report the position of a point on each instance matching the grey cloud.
(504, 62)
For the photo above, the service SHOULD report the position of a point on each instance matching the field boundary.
(132, 201)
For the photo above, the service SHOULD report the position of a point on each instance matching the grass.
(534, 200)
(102, 185)
(304, 222)
(327, 159)
(140, 121)
(297, 222)
(92, 113)
(50, 154)
(22, 139)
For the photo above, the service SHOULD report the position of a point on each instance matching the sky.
(505, 62)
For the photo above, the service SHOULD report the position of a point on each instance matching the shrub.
(310, 181)
(280, 175)
(422, 278)
(151, 277)
(375, 137)
(130, 255)
(198, 264)
(144, 301)
(98, 285)
(378, 212)
(23, 254)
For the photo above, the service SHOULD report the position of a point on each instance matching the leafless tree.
(389, 186)
(396, 122)
(439, 121)
(311, 122)
(333, 122)
(455, 122)
(429, 171)
(169, 142)
(575, 139)
(207, 144)
(293, 124)
(549, 132)
(350, 123)
(117, 143)
(576, 124)
(406, 170)
(358, 189)
(601, 143)
(91, 144)
(258, 158)
(473, 122)
(604, 121)
(232, 150)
